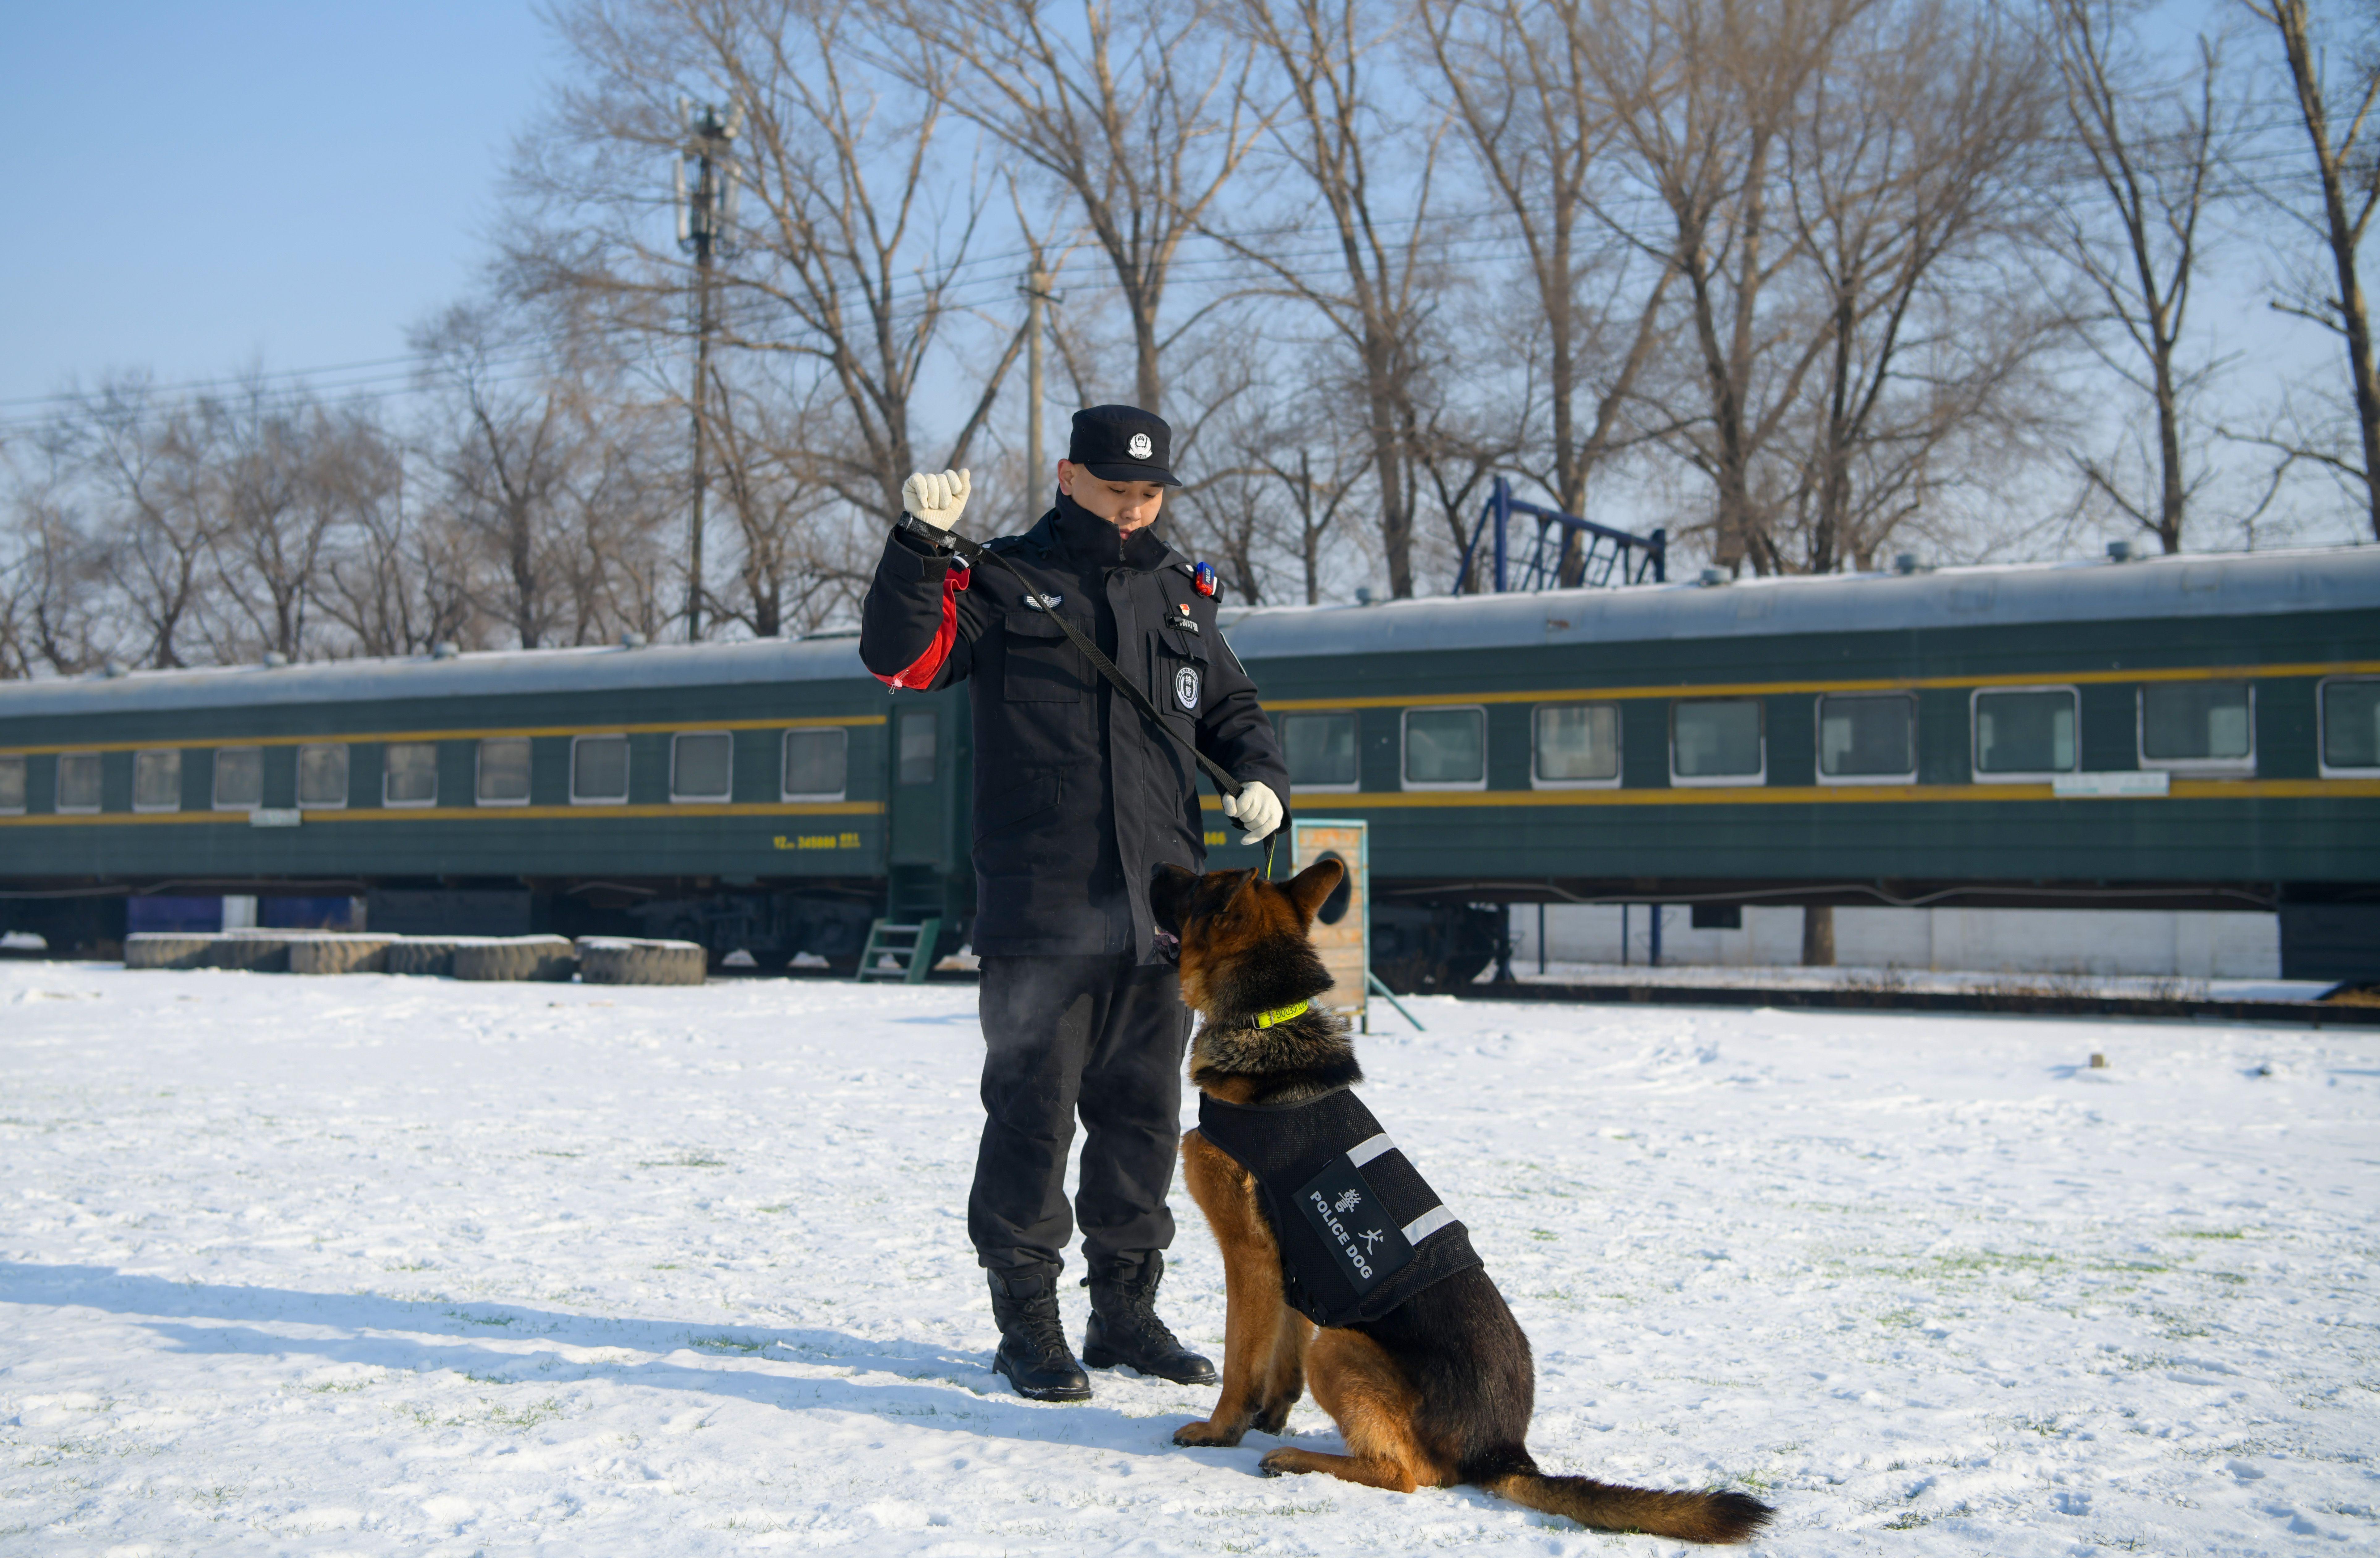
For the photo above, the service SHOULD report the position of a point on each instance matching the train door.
(925, 789)
(917, 820)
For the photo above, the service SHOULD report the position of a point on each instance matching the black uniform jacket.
(1359, 1230)
(1078, 799)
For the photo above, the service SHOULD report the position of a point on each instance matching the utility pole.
(704, 216)
(1036, 295)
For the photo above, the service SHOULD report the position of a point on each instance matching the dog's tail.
(1707, 1517)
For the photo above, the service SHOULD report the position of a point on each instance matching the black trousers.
(1095, 1035)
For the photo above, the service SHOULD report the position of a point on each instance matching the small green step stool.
(911, 947)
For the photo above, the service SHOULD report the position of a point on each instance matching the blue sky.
(196, 189)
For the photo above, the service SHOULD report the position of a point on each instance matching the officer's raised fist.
(937, 500)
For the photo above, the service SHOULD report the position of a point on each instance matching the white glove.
(937, 500)
(1256, 806)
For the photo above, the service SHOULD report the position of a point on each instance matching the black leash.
(973, 554)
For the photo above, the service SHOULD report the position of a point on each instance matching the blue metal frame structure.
(1583, 551)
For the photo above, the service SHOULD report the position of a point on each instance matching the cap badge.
(1140, 447)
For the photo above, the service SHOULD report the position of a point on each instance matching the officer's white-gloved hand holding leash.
(939, 500)
(1257, 809)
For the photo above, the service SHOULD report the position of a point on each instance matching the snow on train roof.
(2246, 584)
(492, 674)
(2251, 584)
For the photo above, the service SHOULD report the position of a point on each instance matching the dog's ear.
(1169, 894)
(1309, 887)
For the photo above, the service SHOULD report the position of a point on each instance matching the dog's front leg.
(1254, 1313)
(1284, 1379)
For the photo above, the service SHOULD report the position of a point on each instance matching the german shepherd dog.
(1439, 1390)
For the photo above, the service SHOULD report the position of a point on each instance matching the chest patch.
(1186, 687)
(1344, 1209)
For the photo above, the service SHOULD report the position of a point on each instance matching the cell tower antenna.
(706, 210)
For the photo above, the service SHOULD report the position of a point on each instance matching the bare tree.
(1909, 180)
(1139, 113)
(793, 566)
(845, 251)
(1378, 297)
(2154, 150)
(399, 576)
(2340, 136)
(1704, 96)
(503, 458)
(1316, 501)
(278, 486)
(148, 468)
(1541, 129)
(51, 610)
(1460, 450)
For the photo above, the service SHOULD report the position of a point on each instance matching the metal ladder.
(911, 947)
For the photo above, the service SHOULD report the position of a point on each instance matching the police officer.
(1079, 800)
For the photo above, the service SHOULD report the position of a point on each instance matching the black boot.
(1032, 1342)
(1124, 1327)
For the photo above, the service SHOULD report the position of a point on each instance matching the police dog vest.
(1360, 1230)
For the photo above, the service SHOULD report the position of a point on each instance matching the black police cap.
(1123, 443)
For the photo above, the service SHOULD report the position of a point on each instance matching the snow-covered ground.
(373, 1265)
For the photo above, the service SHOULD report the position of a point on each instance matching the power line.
(955, 290)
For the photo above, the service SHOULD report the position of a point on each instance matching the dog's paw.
(1281, 1462)
(1273, 1419)
(1206, 1436)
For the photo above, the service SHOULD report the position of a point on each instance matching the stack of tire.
(261, 952)
(594, 960)
(630, 960)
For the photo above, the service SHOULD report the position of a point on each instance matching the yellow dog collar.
(1282, 1013)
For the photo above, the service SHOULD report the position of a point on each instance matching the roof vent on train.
(632, 639)
(274, 659)
(444, 649)
(2120, 552)
(1904, 562)
(1713, 576)
(112, 669)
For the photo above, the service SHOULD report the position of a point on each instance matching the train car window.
(1446, 749)
(157, 780)
(79, 777)
(2024, 731)
(598, 770)
(2351, 725)
(1717, 741)
(410, 773)
(12, 783)
(702, 766)
(2208, 725)
(1866, 737)
(1321, 751)
(239, 778)
(918, 748)
(817, 763)
(1575, 744)
(322, 774)
(504, 770)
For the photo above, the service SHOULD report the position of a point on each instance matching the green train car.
(2182, 733)
(764, 796)
(2191, 733)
